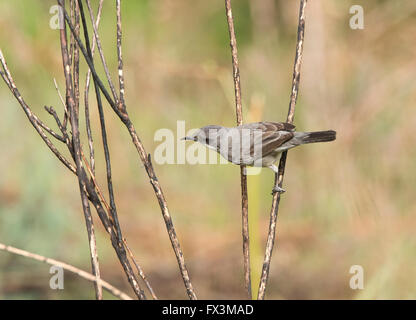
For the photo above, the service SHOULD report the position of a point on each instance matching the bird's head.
(205, 134)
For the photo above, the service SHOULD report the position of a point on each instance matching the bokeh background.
(350, 202)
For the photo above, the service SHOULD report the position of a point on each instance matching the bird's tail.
(317, 136)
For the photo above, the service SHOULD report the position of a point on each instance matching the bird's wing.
(268, 126)
(278, 126)
(273, 135)
(253, 141)
(273, 140)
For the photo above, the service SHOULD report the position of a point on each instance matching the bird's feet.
(278, 189)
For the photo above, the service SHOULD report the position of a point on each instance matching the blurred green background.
(349, 202)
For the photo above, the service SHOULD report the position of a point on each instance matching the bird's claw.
(278, 189)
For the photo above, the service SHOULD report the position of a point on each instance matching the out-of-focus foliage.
(348, 202)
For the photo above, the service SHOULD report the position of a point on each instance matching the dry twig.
(88, 276)
(87, 188)
(282, 163)
(239, 113)
(34, 120)
(107, 206)
(113, 212)
(86, 91)
(72, 98)
(121, 112)
(140, 271)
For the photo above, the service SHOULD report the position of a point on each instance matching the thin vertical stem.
(239, 114)
(34, 120)
(86, 100)
(100, 51)
(114, 217)
(74, 115)
(140, 271)
(119, 54)
(145, 158)
(90, 186)
(282, 163)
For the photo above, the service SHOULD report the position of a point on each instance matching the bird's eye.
(207, 140)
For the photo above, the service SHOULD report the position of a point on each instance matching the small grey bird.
(257, 144)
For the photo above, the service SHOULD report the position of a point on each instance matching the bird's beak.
(186, 138)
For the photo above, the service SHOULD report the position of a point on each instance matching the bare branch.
(102, 123)
(119, 54)
(34, 120)
(87, 86)
(5, 79)
(51, 132)
(100, 50)
(120, 251)
(66, 114)
(107, 206)
(92, 194)
(88, 276)
(71, 101)
(282, 163)
(145, 158)
(92, 68)
(93, 179)
(140, 271)
(239, 113)
(75, 63)
(67, 141)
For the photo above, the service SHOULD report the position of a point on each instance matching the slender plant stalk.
(113, 211)
(73, 107)
(93, 197)
(112, 214)
(86, 91)
(239, 114)
(282, 163)
(100, 50)
(140, 271)
(83, 274)
(33, 119)
(88, 191)
(119, 54)
(107, 206)
(122, 113)
(66, 114)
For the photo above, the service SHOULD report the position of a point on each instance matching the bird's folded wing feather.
(267, 137)
(274, 134)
